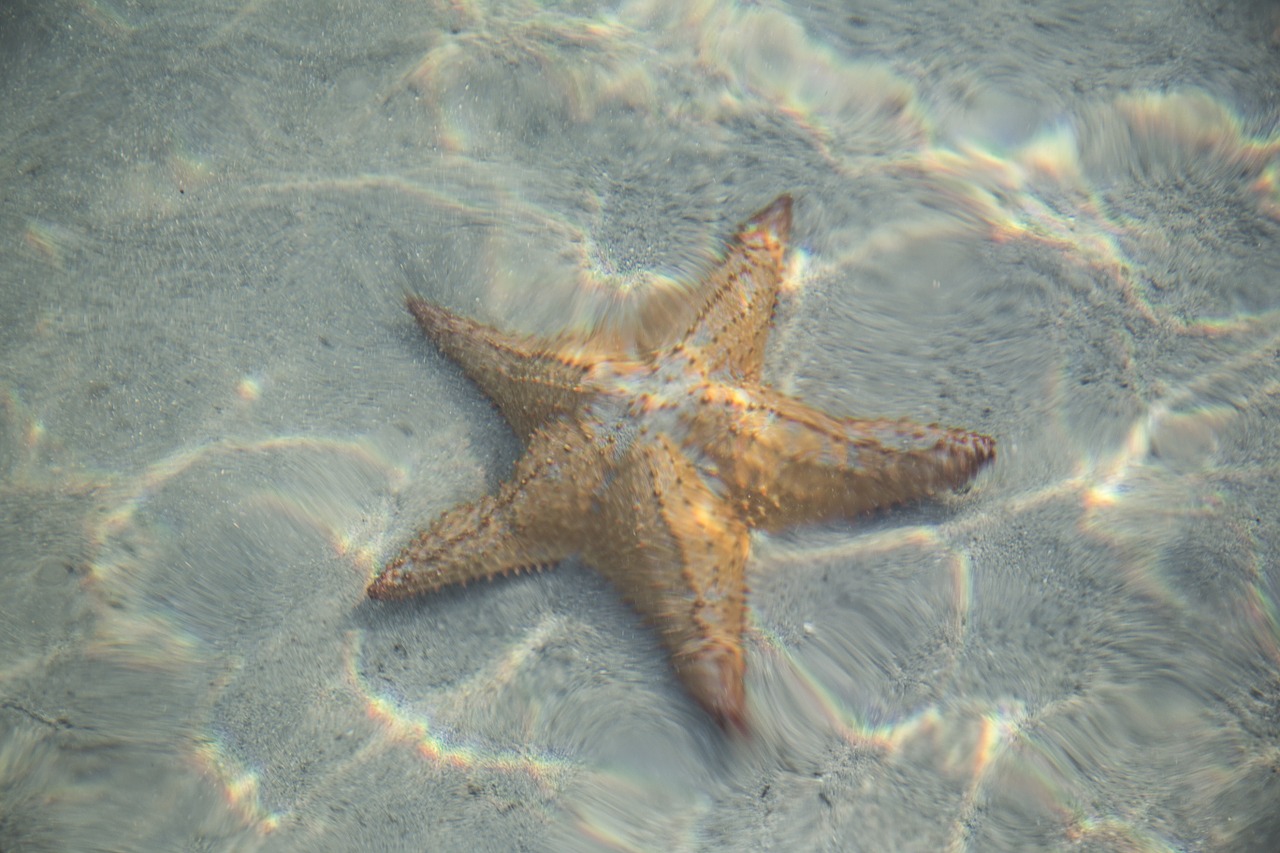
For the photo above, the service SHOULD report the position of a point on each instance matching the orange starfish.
(654, 466)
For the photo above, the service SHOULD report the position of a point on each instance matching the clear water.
(1055, 223)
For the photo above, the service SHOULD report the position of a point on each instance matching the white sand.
(1056, 224)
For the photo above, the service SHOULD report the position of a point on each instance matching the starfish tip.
(771, 223)
(381, 589)
(714, 676)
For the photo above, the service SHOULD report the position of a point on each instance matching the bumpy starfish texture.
(654, 466)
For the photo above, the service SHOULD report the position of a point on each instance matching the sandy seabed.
(1055, 223)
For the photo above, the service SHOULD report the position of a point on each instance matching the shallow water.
(1051, 224)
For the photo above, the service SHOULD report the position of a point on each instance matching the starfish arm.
(788, 463)
(732, 326)
(534, 520)
(678, 553)
(527, 378)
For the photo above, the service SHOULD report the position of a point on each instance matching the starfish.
(655, 463)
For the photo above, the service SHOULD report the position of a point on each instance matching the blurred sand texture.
(1055, 223)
